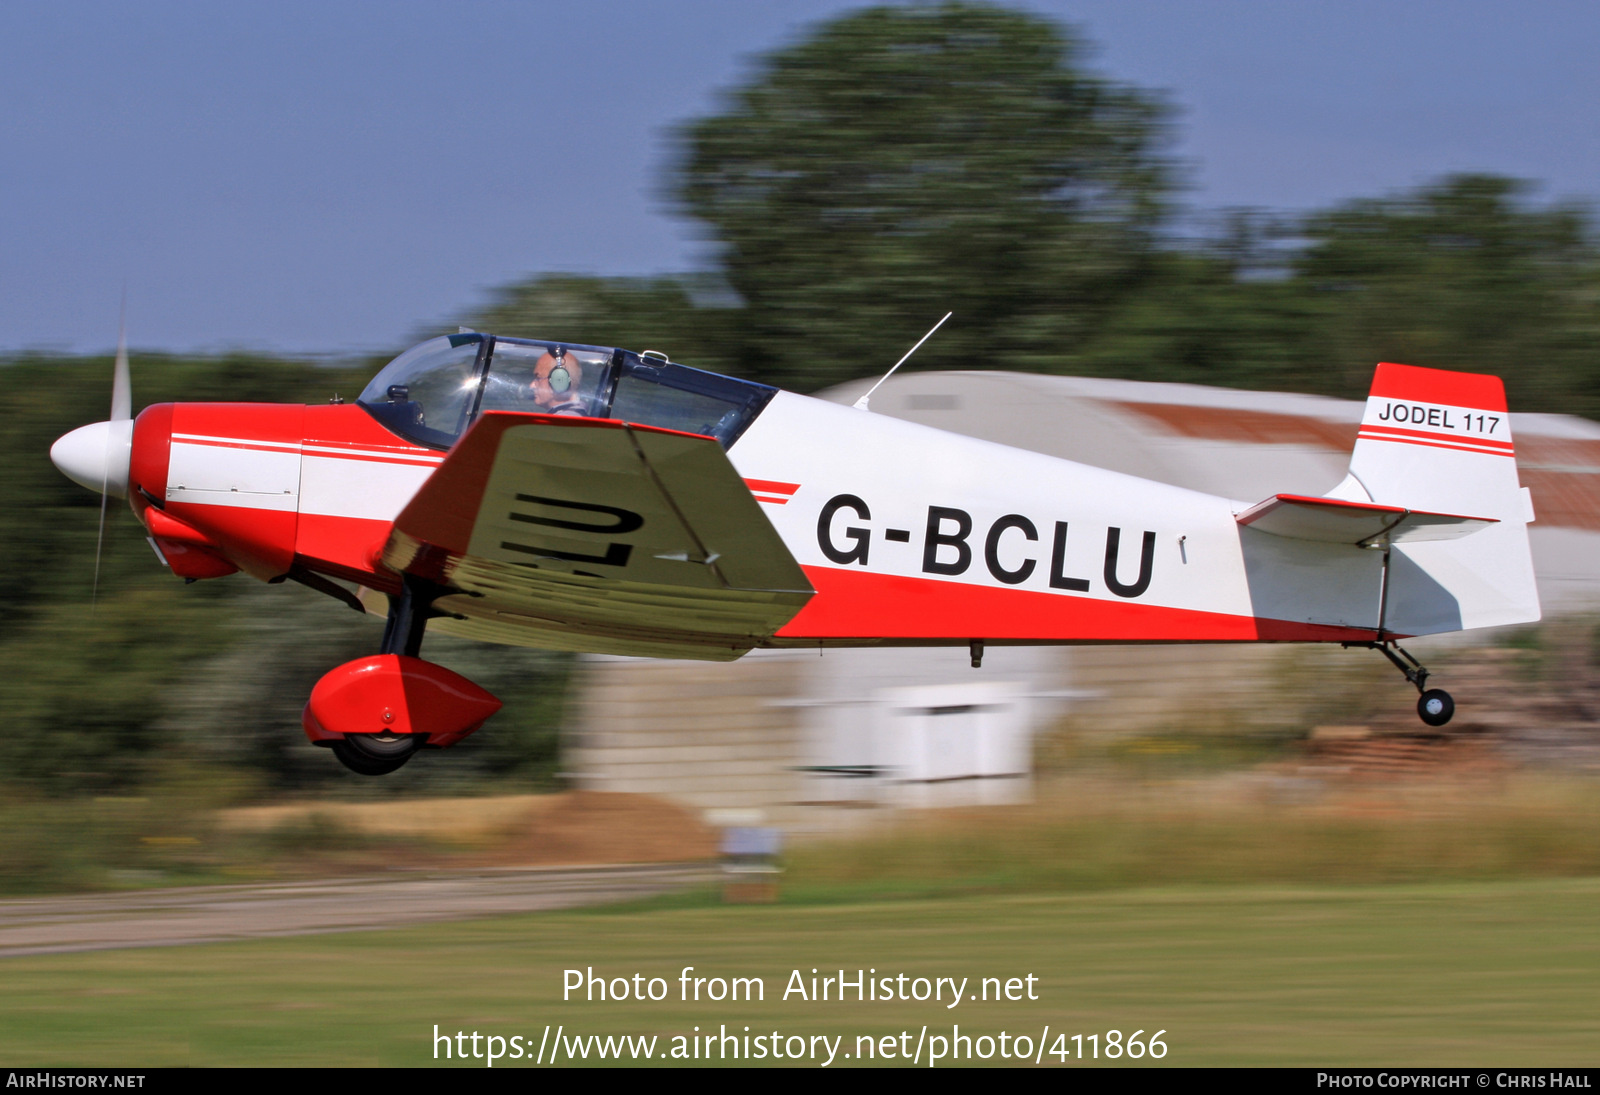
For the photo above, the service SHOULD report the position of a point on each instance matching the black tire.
(375, 754)
(1435, 707)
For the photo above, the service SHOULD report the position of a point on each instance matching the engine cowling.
(226, 472)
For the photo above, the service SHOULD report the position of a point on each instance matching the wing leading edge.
(600, 536)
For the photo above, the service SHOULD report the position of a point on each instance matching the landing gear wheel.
(1435, 707)
(375, 754)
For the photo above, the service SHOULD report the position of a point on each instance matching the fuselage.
(906, 533)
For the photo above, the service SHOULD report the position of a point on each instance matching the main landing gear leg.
(375, 712)
(1434, 705)
(408, 616)
(380, 754)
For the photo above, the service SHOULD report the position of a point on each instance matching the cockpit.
(431, 393)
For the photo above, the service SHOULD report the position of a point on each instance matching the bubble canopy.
(431, 393)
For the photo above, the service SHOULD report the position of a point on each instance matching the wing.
(597, 535)
(1335, 521)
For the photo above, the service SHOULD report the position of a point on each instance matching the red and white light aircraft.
(593, 499)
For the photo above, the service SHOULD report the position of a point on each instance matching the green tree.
(1220, 311)
(905, 161)
(1462, 274)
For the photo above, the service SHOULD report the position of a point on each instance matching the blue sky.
(330, 177)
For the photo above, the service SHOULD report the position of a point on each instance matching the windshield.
(426, 393)
(432, 392)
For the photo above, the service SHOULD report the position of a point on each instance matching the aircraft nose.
(96, 456)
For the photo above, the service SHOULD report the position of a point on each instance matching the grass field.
(1459, 974)
(1115, 835)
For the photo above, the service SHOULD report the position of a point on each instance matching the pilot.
(556, 376)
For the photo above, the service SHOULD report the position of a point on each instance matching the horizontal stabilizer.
(1335, 521)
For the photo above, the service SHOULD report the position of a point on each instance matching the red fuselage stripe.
(236, 443)
(1456, 446)
(1435, 435)
(308, 450)
(855, 604)
(372, 458)
(376, 450)
(771, 486)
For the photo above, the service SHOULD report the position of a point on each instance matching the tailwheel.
(374, 754)
(1435, 707)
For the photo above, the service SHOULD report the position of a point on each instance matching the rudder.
(1441, 441)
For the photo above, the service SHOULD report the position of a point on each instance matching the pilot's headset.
(560, 379)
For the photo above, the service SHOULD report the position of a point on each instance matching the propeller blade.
(94, 593)
(121, 386)
(121, 411)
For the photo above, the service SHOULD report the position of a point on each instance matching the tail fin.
(1441, 441)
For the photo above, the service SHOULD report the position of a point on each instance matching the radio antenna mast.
(861, 404)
